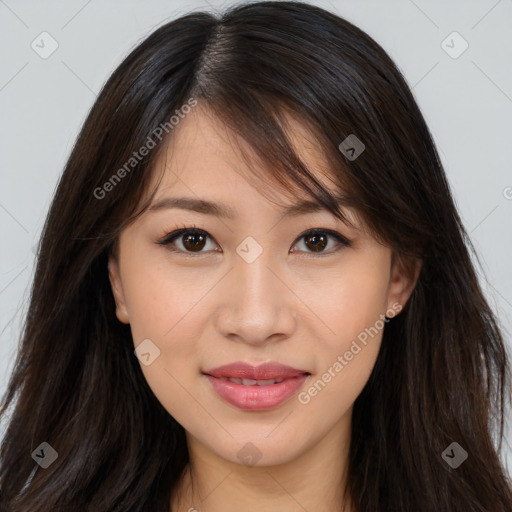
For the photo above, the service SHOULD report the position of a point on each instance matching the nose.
(257, 303)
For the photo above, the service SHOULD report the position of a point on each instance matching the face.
(258, 290)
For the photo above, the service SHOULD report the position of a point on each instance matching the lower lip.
(257, 398)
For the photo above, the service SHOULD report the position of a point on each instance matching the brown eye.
(316, 242)
(193, 242)
(187, 240)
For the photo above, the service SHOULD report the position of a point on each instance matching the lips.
(256, 387)
(265, 371)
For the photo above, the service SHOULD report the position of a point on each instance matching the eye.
(316, 240)
(191, 240)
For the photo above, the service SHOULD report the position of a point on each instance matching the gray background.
(467, 102)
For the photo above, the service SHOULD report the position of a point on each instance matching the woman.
(254, 291)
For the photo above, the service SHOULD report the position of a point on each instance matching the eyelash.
(168, 239)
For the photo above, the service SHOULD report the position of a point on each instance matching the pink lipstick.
(256, 388)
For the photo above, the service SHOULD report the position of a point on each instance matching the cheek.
(166, 310)
(352, 305)
(161, 297)
(348, 300)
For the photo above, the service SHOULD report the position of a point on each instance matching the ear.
(403, 278)
(117, 290)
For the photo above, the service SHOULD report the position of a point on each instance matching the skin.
(289, 305)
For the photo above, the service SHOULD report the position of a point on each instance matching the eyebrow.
(301, 207)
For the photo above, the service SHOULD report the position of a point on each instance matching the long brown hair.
(441, 375)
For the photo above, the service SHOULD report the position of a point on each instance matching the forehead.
(203, 154)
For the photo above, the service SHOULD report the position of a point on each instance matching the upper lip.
(241, 370)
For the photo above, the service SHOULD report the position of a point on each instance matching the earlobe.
(117, 290)
(404, 276)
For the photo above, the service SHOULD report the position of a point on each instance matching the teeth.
(253, 382)
(266, 382)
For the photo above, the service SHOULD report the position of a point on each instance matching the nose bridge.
(254, 282)
(257, 303)
(252, 273)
